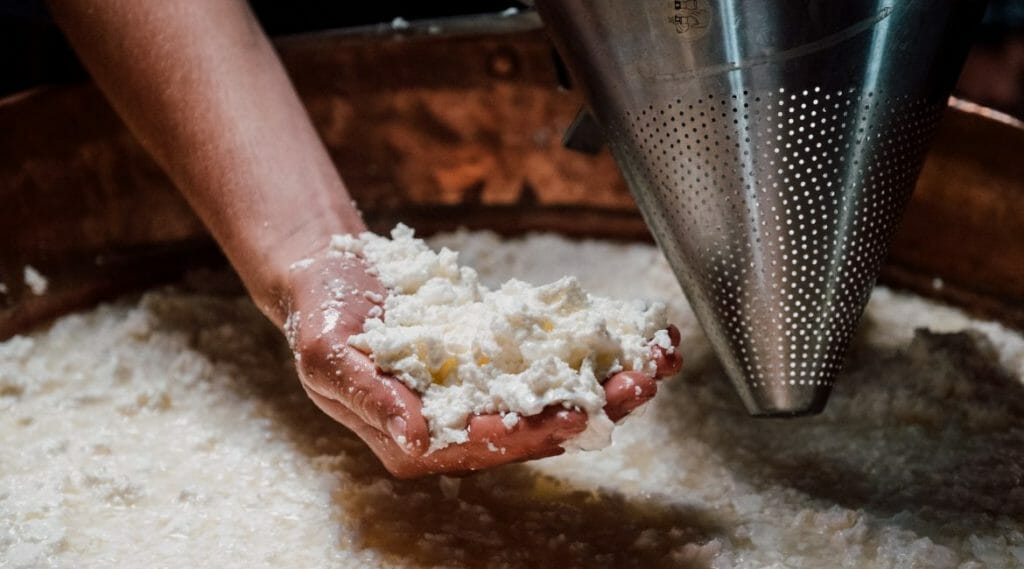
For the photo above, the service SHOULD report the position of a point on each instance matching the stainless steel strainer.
(771, 146)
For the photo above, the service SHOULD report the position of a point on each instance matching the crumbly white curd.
(169, 430)
(514, 350)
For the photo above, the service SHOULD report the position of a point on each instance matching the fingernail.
(564, 432)
(674, 335)
(396, 428)
(563, 435)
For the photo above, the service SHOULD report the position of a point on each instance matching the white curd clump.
(170, 430)
(513, 351)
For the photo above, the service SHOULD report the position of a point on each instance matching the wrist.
(272, 279)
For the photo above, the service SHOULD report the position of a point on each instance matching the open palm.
(331, 299)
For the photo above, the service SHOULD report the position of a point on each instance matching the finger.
(490, 443)
(533, 434)
(384, 402)
(493, 444)
(378, 399)
(667, 363)
(454, 459)
(668, 360)
(674, 335)
(394, 458)
(626, 391)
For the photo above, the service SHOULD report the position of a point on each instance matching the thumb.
(378, 399)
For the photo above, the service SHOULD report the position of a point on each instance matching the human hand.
(331, 297)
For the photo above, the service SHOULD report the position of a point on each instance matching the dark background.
(33, 51)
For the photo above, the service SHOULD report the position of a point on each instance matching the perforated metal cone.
(772, 147)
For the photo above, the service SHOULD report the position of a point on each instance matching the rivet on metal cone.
(771, 147)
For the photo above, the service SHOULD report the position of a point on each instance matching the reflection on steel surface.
(772, 155)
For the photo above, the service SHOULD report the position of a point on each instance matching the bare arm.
(199, 84)
(201, 87)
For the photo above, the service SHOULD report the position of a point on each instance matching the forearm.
(201, 87)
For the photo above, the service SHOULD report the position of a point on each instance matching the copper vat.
(444, 124)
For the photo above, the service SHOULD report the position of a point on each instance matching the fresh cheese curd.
(513, 350)
(170, 430)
